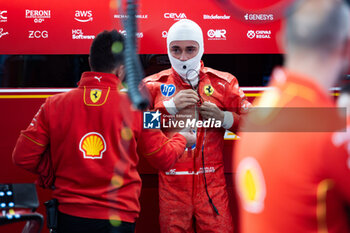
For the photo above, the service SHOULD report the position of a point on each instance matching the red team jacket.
(294, 181)
(92, 136)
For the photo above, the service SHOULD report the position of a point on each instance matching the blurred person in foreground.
(296, 176)
(85, 143)
(193, 195)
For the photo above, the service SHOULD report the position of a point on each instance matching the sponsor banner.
(65, 27)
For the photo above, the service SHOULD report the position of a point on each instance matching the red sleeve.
(160, 151)
(336, 163)
(32, 142)
(236, 102)
(153, 91)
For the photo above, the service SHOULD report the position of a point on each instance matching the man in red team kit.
(296, 179)
(194, 190)
(90, 136)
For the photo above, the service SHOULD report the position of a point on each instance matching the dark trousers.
(71, 224)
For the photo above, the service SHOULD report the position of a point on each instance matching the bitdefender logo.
(83, 16)
(175, 16)
(151, 120)
(38, 16)
(216, 17)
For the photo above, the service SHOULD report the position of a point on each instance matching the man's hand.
(185, 98)
(210, 110)
(190, 137)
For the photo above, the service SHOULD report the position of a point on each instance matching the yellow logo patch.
(251, 185)
(92, 145)
(208, 90)
(95, 95)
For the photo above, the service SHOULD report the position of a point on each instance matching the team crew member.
(299, 182)
(91, 136)
(190, 89)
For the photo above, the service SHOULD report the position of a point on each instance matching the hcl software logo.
(151, 120)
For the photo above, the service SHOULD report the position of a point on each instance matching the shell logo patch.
(208, 90)
(251, 185)
(95, 95)
(93, 145)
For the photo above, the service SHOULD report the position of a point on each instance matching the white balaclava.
(186, 29)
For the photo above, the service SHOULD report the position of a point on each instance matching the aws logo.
(93, 145)
(251, 185)
(83, 16)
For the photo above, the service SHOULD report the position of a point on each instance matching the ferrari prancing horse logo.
(208, 90)
(95, 95)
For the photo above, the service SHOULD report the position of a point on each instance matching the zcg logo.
(38, 34)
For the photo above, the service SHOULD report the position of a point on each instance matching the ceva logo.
(175, 16)
(83, 16)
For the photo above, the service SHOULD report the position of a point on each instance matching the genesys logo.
(3, 33)
(38, 16)
(118, 16)
(164, 34)
(175, 16)
(83, 16)
(216, 17)
(3, 16)
(38, 34)
(258, 17)
(77, 34)
(259, 34)
(138, 34)
(216, 34)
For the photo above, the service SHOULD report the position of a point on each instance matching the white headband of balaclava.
(186, 29)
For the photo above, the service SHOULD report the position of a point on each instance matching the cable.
(133, 68)
(205, 178)
(205, 134)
